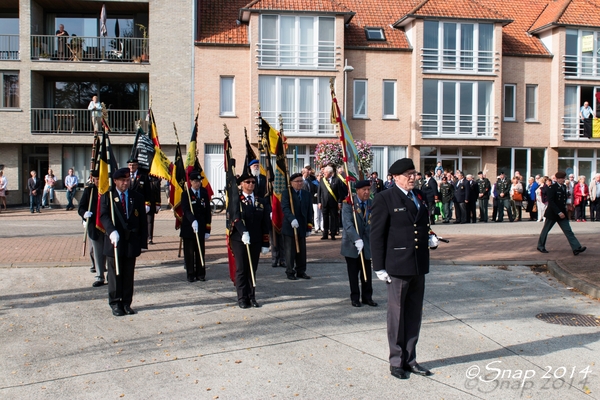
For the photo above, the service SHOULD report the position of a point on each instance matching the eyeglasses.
(250, 182)
(409, 174)
(297, 181)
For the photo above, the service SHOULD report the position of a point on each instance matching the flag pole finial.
(225, 130)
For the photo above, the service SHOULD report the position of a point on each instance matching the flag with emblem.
(280, 175)
(193, 164)
(177, 182)
(349, 150)
(106, 164)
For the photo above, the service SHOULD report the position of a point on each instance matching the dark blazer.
(260, 189)
(376, 185)
(199, 211)
(255, 220)
(141, 185)
(38, 185)
(557, 201)
(338, 189)
(303, 212)
(503, 187)
(132, 228)
(400, 233)
(461, 190)
(84, 203)
(430, 190)
(154, 194)
(350, 233)
(473, 191)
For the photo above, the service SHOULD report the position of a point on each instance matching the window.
(510, 102)
(293, 41)
(457, 108)
(452, 46)
(384, 157)
(374, 34)
(360, 99)
(9, 38)
(303, 102)
(389, 99)
(10, 89)
(582, 53)
(531, 103)
(227, 96)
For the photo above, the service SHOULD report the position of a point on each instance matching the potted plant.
(44, 56)
(144, 30)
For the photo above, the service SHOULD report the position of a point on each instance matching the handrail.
(582, 66)
(457, 60)
(302, 123)
(271, 53)
(457, 125)
(9, 47)
(69, 120)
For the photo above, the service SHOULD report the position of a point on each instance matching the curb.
(567, 278)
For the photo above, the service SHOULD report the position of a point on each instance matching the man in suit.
(88, 207)
(140, 184)
(430, 190)
(483, 195)
(261, 180)
(34, 184)
(503, 190)
(376, 183)
(556, 212)
(400, 251)
(128, 234)
(250, 229)
(447, 194)
(152, 204)
(197, 216)
(473, 196)
(331, 193)
(356, 240)
(461, 198)
(297, 221)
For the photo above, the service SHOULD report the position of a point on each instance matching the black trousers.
(461, 212)
(483, 209)
(191, 255)
(504, 202)
(472, 211)
(330, 220)
(150, 221)
(404, 314)
(595, 210)
(294, 258)
(243, 278)
(431, 209)
(354, 266)
(120, 287)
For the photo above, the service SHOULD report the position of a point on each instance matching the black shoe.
(333, 238)
(98, 284)
(303, 276)
(244, 304)
(282, 264)
(399, 373)
(32, 213)
(292, 277)
(579, 250)
(190, 279)
(542, 250)
(201, 279)
(370, 303)
(356, 304)
(274, 265)
(254, 303)
(150, 241)
(322, 237)
(118, 312)
(446, 222)
(93, 270)
(456, 222)
(417, 369)
(128, 310)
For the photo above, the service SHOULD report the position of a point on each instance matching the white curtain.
(227, 96)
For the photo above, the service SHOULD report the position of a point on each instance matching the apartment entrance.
(35, 158)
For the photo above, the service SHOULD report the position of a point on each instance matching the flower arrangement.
(330, 152)
(365, 155)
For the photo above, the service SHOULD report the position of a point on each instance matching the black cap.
(195, 175)
(95, 174)
(245, 175)
(121, 173)
(294, 176)
(480, 173)
(132, 160)
(362, 184)
(401, 166)
(560, 175)
(501, 172)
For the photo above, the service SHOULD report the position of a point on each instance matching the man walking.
(88, 207)
(461, 198)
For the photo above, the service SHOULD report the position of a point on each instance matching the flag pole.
(92, 167)
(288, 185)
(187, 190)
(267, 152)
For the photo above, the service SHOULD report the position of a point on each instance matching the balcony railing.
(68, 120)
(457, 126)
(271, 54)
(457, 60)
(302, 123)
(572, 128)
(89, 48)
(9, 47)
(582, 65)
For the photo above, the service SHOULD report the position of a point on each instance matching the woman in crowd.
(581, 194)
(540, 196)
(3, 184)
(532, 186)
(389, 182)
(516, 195)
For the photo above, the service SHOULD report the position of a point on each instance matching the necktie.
(362, 209)
(299, 196)
(410, 196)
(250, 201)
(197, 194)
(124, 204)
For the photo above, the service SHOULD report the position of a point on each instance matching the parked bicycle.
(217, 204)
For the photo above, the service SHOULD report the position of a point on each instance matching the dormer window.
(374, 34)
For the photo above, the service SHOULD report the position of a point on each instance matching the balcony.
(89, 48)
(572, 129)
(452, 126)
(457, 61)
(302, 123)
(9, 47)
(582, 66)
(79, 121)
(271, 54)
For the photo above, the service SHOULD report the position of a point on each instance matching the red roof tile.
(218, 22)
(293, 5)
(470, 9)
(551, 14)
(582, 13)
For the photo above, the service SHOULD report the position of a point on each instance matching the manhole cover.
(569, 319)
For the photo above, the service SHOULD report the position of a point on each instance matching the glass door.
(584, 168)
(449, 165)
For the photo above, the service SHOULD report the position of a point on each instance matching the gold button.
(416, 240)
(416, 232)
(415, 225)
(416, 247)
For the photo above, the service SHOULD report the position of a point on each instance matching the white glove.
(433, 242)
(195, 226)
(114, 238)
(84, 223)
(383, 275)
(87, 214)
(308, 233)
(271, 215)
(147, 209)
(359, 244)
(295, 224)
(264, 250)
(246, 237)
(157, 208)
(206, 236)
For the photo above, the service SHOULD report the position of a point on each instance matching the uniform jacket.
(154, 194)
(400, 233)
(141, 185)
(473, 191)
(90, 191)
(557, 201)
(260, 189)
(350, 233)
(461, 190)
(255, 220)
(447, 192)
(132, 228)
(376, 185)
(503, 186)
(35, 186)
(483, 187)
(303, 212)
(430, 190)
(198, 211)
(338, 189)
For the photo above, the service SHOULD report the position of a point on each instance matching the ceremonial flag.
(591, 127)
(596, 128)
(192, 163)
(105, 166)
(177, 182)
(161, 165)
(280, 174)
(232, 202)
(349, 150)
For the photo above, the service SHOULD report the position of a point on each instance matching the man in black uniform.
(152, 204)
(376, 183)
(483, 192)
(88, 207)
(447, 194)
(128, 233)
(430, 190)
(400, 251)
(556, 212)
(473, 196)
(461, 198)
(140, 184)
(251, 229)
(503, 190)
(196, 221)
(331, 193)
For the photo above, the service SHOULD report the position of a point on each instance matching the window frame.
(364, 115)
(4, 73)
(369, 30)
(394, 115)
(514, 102)
(222, 111)
(529, 103)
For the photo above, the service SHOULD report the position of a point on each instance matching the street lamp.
(347, 68)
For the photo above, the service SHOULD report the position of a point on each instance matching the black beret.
(294, 176)
(401, 166)
(245, 175)
(195, 175)
(501, 172)
(560, 175)
(132, 160)
(480, 173)
(95, 173)
(362, 184)
(121, 173)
